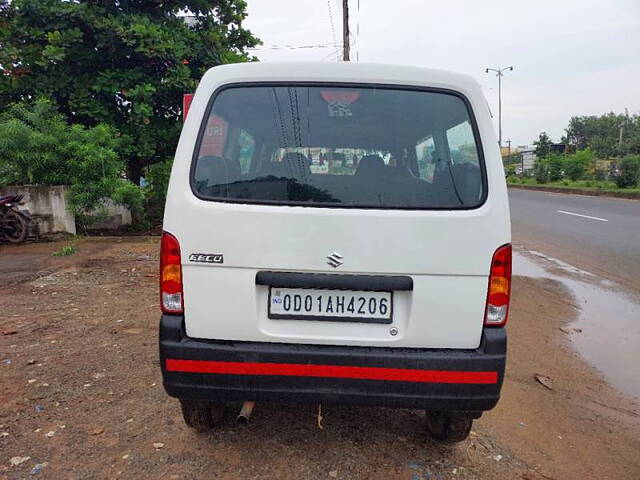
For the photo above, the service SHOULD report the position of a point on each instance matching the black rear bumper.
(431, 379)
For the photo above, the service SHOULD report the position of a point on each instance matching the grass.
(595, 185)
(65, 251)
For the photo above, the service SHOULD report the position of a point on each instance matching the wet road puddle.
(607, 331)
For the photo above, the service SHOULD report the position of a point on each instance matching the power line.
(333, 30)
(337, 5)
(331, 55)
(358, 33)
(295, 47)
(346, 44)
(283, 128)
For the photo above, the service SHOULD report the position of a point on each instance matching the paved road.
(598, 234)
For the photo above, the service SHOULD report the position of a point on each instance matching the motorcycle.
(14, 224)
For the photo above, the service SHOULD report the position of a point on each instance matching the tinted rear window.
(339, 146)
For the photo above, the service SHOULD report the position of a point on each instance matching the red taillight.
(170, 275)
(499, 291)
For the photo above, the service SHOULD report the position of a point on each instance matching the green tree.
(601, 133)
(629, 175)
(631, 137)
(510, 170)
(125, 63)
(37, 146)
(157, 176)
(541, 170)
(543, 145)
(576, 166)
(556, 167)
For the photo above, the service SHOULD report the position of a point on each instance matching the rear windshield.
(339, 146)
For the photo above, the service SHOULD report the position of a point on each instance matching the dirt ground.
(81, 393)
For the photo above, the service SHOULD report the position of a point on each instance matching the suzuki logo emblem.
(334, 259)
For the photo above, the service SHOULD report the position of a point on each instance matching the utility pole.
(626, 112)
(499, 74)
(345, 30)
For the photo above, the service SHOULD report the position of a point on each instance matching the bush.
(556, 168)
(155, 192)
(37, 146)
(126, 193)
(30, 139)
(629, 175)
(158, 178)
(600, 174)
(65, 251)
(541, 171)
(578, 164)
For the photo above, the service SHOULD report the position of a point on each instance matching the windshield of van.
(339, 146)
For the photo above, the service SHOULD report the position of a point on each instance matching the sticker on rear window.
(339, 102)
(206, 258)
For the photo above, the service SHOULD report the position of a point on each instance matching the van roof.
(341, 72)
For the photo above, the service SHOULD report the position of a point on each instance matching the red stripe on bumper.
(331, 371)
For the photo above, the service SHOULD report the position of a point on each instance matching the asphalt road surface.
(598, 234)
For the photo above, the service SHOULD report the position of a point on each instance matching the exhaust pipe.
(245, 413)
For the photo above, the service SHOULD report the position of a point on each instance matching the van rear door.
(344, 215)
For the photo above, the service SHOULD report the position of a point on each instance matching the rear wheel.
(449, 427)
(200, 415)
(15, 227)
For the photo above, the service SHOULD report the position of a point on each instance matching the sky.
(569, 57)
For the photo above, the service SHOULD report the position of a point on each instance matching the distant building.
(562, 148)
(506, 151)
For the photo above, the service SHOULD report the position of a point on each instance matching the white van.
(336, 233)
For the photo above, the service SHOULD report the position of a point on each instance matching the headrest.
(371, 165)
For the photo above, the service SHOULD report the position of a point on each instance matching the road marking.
(583, 216)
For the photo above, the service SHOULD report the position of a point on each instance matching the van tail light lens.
(170, 275)
(499, 292)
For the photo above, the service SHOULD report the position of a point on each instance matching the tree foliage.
(556, 167)
(629, 175)
(602, 134)
(37, 146)
(157, 176)
(555, 164)
(576, 166)
(543, 145)
(541, 170)
(123, 63)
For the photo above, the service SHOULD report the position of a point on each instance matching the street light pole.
(499, 74)
(500, 111)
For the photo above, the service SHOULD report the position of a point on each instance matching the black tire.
(449, 427)
(16, 227)
(200, 415)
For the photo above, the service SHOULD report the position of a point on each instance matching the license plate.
(330, 305)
